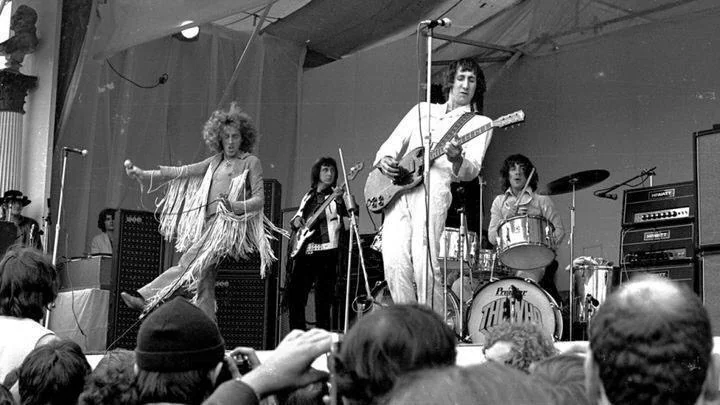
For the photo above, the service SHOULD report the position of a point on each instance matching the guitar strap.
(454, 129)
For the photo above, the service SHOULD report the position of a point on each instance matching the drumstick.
(527, 183)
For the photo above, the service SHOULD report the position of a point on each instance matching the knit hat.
(178, 336)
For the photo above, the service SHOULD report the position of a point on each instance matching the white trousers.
(404, 247)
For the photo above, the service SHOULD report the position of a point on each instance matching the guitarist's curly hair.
(315, 172)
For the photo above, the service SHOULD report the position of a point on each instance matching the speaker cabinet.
(710, 270)
(683, 273)
(707, 181)
(137, 260)
(248, 304)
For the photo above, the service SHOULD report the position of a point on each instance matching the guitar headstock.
(505, 120)
(354, 170)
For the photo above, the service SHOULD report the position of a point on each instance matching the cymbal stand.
(352, 210)
(446, 242)
(572, 256)
(462, 242)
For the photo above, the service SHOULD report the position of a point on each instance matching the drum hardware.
(572, 183)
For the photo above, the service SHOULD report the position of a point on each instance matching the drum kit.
(494, 295)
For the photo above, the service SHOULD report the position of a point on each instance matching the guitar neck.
(439, 151)
(316, 215)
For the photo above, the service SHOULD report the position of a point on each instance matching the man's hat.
(14, 195)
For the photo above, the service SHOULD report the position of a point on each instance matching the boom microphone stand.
(427, 143)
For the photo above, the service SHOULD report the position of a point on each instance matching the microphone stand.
(352, 210)
(60, 206)
(605, 193)
(426, 165)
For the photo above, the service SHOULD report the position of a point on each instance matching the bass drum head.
(383, 299)
(489, 308)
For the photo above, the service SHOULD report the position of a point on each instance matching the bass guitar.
(299, 238)
(380, 189)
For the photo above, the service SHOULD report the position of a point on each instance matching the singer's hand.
(135, 172)
(389, 167)
(225, 202)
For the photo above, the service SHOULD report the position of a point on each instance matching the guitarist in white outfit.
(316, 263)
(405, 217)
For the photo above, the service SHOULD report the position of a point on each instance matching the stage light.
(188, 34)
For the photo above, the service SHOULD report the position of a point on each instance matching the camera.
(243, 366)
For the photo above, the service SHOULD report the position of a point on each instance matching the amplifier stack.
(658, 233)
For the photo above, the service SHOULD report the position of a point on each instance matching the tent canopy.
(332, 29)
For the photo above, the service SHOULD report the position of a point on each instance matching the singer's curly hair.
(652, 342)
(235, 117)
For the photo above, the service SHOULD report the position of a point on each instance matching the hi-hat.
(576, 181)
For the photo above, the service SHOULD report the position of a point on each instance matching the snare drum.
(382, 299)
(489, 308)
(449, 245)
(525, 242)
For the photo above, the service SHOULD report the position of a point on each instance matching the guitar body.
(299, 240)
(380, 189)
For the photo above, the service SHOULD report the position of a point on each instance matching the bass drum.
(529, 303)
(382, 299)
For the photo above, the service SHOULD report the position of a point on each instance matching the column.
(14, 88)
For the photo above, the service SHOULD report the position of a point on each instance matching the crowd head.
(29, 283)
(53, 374)
(179, 350)
(388, 343)
(650, 343)
(527, 343)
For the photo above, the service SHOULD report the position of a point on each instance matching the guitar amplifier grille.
(138, 259)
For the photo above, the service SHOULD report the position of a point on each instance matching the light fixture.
(188, 34)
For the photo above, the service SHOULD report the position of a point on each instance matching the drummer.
(515, 172)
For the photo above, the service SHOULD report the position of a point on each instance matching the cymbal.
(580, 180)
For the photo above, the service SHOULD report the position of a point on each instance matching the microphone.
(443, 22)
(607, 195)
(75, 150)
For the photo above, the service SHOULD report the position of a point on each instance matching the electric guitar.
(380, 189)
(299, 238)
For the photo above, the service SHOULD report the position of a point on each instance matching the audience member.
(53, 374)
(112, 381)
(102, 243)
(386, 344)
(523, 343)
(178, 356)
(6, 397)
(564, 375)
(287, 367)
(28, 285)
(651, 343)
(487, 383)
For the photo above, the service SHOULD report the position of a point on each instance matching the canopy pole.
(236, 72)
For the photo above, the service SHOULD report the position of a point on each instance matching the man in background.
(102, 243)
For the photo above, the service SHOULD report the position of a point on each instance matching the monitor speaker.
(707, 181)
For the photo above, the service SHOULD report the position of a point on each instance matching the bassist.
(405, 217)
(316, 263)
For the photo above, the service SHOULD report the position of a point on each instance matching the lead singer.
(214, 208)
(405, 222)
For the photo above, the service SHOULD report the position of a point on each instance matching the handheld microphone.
(82, 152)
(443, 22)
(128, 164)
